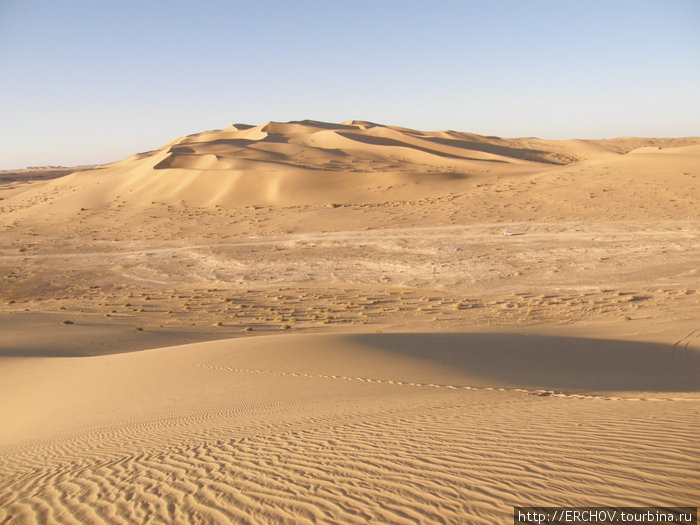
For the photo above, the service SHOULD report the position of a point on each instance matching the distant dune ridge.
(310, 162)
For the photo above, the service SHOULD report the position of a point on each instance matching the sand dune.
(311, 162)
(311, 322)
(341, 428)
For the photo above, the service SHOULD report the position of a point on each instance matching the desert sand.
(310, 322)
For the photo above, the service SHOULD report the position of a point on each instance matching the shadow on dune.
(323, 125)
(383, 141)
(550, 362)
(38, 341)
(496, 149)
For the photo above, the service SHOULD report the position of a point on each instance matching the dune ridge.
(307, 162)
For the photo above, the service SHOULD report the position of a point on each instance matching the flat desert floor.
(350, 323)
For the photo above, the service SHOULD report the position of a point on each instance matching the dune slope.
(341, 429)
(310, 162)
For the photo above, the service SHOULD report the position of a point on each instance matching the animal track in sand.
(531, 392)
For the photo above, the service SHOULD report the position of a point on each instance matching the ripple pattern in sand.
(438, 457)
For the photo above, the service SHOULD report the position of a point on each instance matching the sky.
(85, 82)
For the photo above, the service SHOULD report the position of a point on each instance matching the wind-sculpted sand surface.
(350, 323)
(347, 429)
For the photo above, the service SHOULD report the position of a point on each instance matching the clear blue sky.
(95, 81)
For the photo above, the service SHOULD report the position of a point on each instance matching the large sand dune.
(310, 322)
(303, 163)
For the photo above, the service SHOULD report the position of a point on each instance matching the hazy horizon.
(93, 83)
